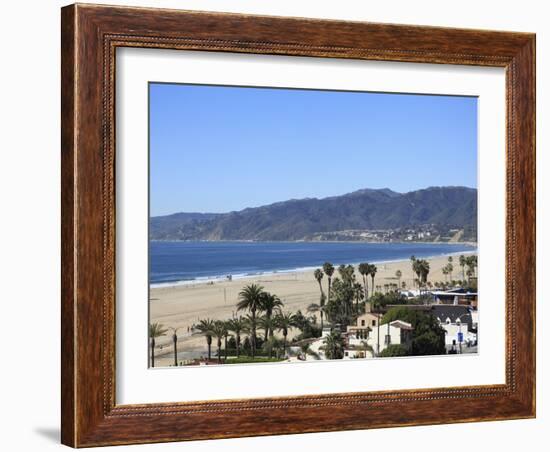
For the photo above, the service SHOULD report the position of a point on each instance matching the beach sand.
(182, 306)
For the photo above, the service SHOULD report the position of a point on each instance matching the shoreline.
(413, 242)
(239, 276)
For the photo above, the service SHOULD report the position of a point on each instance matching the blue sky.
(218, 149)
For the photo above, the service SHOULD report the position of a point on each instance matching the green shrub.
(394, 350)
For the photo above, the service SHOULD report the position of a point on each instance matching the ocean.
(173, 263)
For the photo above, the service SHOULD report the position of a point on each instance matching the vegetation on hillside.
(446, 209)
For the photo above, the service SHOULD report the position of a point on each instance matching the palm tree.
(398, 275)
(462, 262)
(334, 345)
(424, 267)
(269, 303)
(364, 271)
(226, 324)
(416, 268)
(347, 274)
(342, 271)
(219, 331)
(251, 299)
(155, 330)
(237, 325)
(302, 322)
(471, 263)
(318, 273)
(372, 273)
(175, 342)
(328, 268)
(450, 267)
(284, 322)
(320, 308)
(358, 293)
(269, 345)
(205, 328)
(267, 323)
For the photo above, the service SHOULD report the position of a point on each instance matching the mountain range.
(301, 219)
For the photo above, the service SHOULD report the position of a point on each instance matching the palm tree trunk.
(268, 316)
(175, 339)
(225, 347)
(320, 286)
(253, 342)
(238, 345)
(152, 352)
(219, 351)
(321, 322)
(284, 345)
(372, 285)
(209, 350)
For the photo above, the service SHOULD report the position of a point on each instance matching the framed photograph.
(281, 225)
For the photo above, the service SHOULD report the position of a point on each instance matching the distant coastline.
(413, 242)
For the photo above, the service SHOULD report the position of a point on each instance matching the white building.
(457, 321)
(369, 337)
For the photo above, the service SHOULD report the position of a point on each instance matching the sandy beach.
(182, 306)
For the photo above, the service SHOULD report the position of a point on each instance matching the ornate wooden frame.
(90, 35)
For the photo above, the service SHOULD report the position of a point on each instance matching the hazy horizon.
(218, 149)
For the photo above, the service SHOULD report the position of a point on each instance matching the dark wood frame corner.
(90, 35)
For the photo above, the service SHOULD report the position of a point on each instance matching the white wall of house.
(369, 319)
(374, 338)
(452, 330)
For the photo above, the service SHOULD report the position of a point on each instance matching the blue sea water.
(183, 262)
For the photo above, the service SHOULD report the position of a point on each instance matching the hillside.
(312, 218)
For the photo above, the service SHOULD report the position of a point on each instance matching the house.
(367, 320)
(458, 322)
(368, 337)
(454, 319)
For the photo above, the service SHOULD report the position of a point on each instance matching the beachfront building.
(458, 296)
(368, 337)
